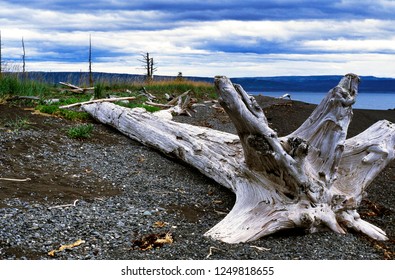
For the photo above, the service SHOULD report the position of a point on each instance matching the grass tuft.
(99, 91)
(81, 131)
(11, 84)
(18, 124)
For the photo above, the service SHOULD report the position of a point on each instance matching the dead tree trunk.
(313, 178)
(23, 58)
(149, 65)
(90, 62)
(1, 58)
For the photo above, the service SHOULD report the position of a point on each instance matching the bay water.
(365, 100)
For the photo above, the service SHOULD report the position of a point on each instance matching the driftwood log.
(313, 178)
(76, 89)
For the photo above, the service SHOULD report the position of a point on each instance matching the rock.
(147, 213)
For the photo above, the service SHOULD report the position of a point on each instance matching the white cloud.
(241, 65)
(344, 45)
(194, 37)
(57, 20)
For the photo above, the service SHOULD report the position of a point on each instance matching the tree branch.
(263, 151)
(97, 101)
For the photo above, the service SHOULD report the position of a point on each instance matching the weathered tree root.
(313, 178)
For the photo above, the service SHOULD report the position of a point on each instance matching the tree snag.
(23, 58)
(313, 178)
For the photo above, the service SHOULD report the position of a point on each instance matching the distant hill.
(312, 83)
(257, 84)
(82, 78)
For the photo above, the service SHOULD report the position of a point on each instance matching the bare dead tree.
(90, 62)
(1, 58)
(180, 77)
(149, 66)
(23, 58)
(152, 67)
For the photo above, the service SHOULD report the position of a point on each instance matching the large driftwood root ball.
(313, 178)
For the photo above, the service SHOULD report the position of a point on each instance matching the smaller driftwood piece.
(313, 178)
(76, 89)
(115, 99)
(176, 106)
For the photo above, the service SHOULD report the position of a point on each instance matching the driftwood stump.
(313, 178)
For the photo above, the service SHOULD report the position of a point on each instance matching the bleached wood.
(160, 105)
(115, 99)
(176, 99)
(145, 93)
(76, 89)
(15, 180)
(313, 178)
(182, 107)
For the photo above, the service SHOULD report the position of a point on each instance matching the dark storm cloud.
(325, 34)
(227, 9)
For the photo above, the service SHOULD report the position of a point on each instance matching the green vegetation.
(12, 84)
(132, 105)
(17, 124)
(66, 114)
(48, 109)
(81, 131)
(99, 91)
(51, 97)
(201, 90)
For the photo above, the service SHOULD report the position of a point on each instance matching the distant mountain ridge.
(312, 83)
(257, 84)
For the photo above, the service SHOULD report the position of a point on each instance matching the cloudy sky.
(203, 38)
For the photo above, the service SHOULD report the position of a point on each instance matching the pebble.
(147, 213)
(120, 224)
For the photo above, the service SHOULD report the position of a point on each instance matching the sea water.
(365, 100)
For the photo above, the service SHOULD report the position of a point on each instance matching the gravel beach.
(113, 194)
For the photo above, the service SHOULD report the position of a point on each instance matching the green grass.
(82, 131)
(99, 91)
(17, 124)
(48, 109)
(73, 115)
(54, 109)
(149, 108)
(66, 100)
(11, 84)
(201, 90)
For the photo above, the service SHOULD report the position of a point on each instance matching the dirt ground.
(44, 135)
